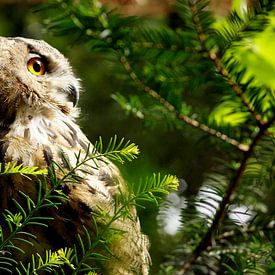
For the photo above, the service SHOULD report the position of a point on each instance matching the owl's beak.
(73, 94)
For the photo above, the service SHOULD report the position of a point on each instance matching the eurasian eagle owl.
(38, 93)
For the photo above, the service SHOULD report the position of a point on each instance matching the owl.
(39, 94)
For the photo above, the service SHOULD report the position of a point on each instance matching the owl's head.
(35, 76)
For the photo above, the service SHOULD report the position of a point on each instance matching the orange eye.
(36, 66)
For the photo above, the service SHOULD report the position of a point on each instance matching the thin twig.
(190, 121)
(247, 231)
(162, 46)
(218, 64)
(207, 238)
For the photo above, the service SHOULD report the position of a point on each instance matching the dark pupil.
(36, 67)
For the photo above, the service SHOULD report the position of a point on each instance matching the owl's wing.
(96, 196)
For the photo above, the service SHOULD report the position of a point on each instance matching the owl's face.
(34, 75)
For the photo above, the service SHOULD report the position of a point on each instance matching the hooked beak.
(73, 94)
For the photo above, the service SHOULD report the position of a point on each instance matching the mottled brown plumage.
(37, 127)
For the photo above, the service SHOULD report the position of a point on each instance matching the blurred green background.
(185, 153)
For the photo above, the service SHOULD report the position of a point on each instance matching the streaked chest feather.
(33, 132)
(36, 130)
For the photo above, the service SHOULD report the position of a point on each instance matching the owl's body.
(37, 127)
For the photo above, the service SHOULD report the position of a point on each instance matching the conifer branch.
(206, 241)
(202, 37)
(190, 121)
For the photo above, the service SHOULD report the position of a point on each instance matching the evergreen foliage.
(165, 66)
(77, 259)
